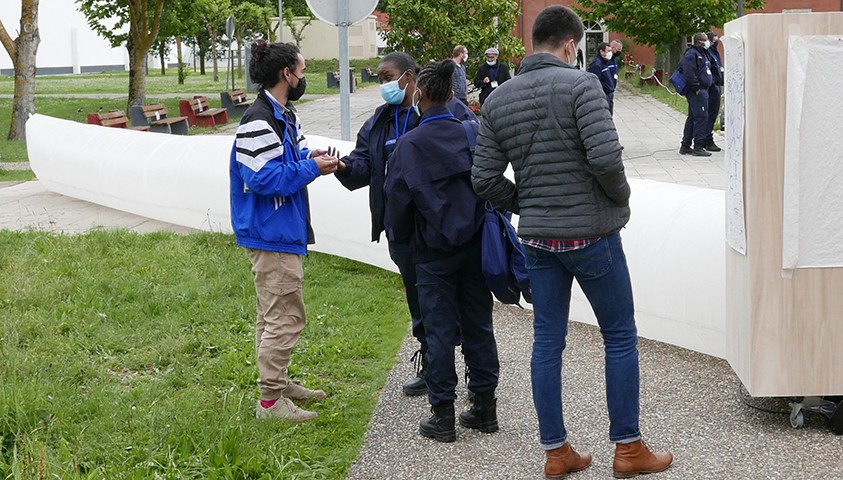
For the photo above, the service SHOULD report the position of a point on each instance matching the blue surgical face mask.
(572, 64)
(392, 93)
(707, 45)
(491, 63)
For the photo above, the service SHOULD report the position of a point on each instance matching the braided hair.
(435, 82)
(270, 58)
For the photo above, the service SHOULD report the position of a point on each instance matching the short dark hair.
(711, 35)
(435, 80)
(270, 58)
(401, 60)
(602, 46)
(458, 50)
(699, 37)
(556, 25)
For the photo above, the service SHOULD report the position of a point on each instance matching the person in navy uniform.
(432, 206)
(696, 68)
(714, 91)
(366, 166)
(605, 68)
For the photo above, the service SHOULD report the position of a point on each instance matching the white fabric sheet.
(813, 166)
(674, 243)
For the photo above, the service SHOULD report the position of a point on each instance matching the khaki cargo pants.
(280, 316)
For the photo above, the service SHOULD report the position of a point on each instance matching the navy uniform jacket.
(605, 71)
(430, 201)
(716, 65)
(697, 69)
(366, 164)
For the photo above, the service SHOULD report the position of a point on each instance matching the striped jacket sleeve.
(266, 170)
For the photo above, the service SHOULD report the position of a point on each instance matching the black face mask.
(296, 92)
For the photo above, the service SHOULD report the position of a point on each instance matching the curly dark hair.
(270, 58)
(434, 80)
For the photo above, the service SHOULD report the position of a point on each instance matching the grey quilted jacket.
(552, 124)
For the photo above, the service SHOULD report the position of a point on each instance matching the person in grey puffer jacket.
(552, 124)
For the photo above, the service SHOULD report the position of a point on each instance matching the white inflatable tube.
(674, 242)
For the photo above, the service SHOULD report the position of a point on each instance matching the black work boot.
(712, 147)
(699, 151)
(440, 425)
(483, 415)
(685, 149)
(417, 385)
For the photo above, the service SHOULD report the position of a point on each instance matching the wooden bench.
(333, 79)
(367, 75)
(113, 118)
(235, 102)
(155, 116)
(199, 113)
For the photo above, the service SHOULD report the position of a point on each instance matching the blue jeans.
(602, 273)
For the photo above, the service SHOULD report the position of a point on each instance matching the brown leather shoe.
(636, 457)
(564, 460)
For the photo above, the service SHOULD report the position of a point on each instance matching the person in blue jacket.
(606, 69)
(432, 206)
(714, 91)
(366, 165)
(696, 68)
(269, 171)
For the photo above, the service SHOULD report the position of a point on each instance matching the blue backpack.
(678, 81)
(503, 262)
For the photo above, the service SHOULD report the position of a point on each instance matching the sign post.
(343, 14)
(229, 32)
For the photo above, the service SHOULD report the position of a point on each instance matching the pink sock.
(268, 403)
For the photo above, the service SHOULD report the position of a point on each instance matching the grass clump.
(132, 356)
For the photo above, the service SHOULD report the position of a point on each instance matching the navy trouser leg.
(402, 255)
(610, 97)
(713, 111)
(452, 293)
(699, 112)
(478, 335)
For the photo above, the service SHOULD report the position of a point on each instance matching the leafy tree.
(109, 17)
(251, 21)
(418, 28)
(663, 24)
(212, 15)
(297, 27)
(23, 51)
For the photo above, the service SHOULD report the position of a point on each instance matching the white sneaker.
(286, 410)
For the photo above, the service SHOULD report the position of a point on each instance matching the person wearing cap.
(490, 74)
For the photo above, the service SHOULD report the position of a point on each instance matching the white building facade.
(68, 45)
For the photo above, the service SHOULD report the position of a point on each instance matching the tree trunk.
(179, 59)
(26, 50)
(161, 50)
(239, 57)
(202, 53)
(673, 54)
(214, 58)
(137, 79)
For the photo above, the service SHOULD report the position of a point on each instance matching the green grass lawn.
(132, 356)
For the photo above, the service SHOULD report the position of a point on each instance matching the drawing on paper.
(735, 116)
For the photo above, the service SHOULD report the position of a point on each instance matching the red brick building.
(596, 32)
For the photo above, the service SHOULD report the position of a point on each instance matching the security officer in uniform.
(714, 91)
(696, 68)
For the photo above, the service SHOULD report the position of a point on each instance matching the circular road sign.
(328, 11)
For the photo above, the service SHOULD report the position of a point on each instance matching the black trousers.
(402, 255)
(713, 111)
(455, 300)
(697, 120)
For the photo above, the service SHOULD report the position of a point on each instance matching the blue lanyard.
(406, 122)
(494, 73)
(436, 117)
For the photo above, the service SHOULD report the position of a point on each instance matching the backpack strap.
(470, 135)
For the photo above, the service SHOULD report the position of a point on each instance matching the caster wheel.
(797, 418)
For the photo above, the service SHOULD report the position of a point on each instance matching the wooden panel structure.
(784, 335)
